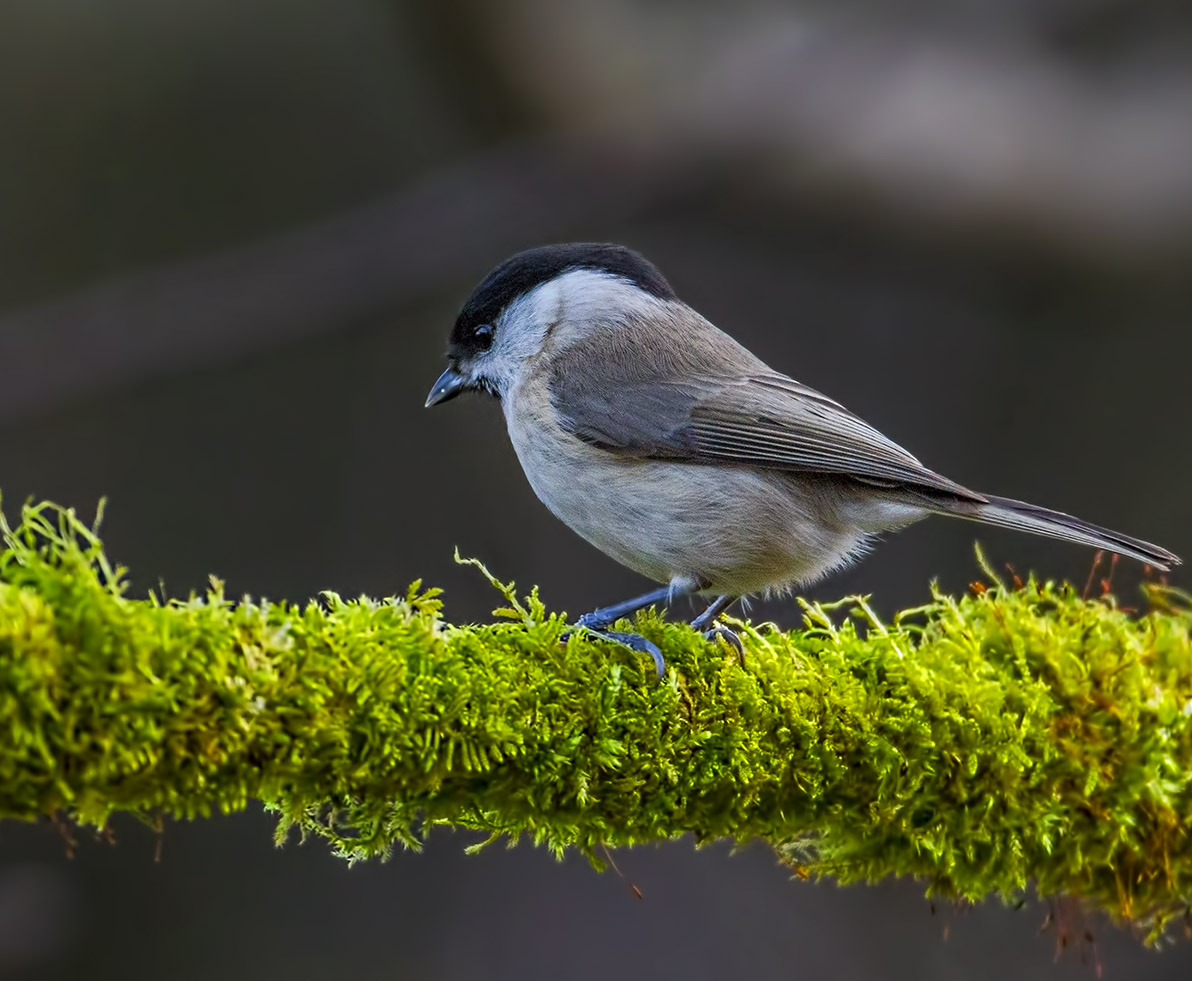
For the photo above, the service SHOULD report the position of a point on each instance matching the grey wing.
(761, 418)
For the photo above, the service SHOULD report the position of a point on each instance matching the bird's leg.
(709, 623)
(715, 608)
(598, 621)
(606, 616)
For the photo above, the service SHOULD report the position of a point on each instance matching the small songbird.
(673, 449)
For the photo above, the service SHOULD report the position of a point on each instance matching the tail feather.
(1008, 513)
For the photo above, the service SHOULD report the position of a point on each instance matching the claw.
(722, 632)
(635, 642)
(708, 623)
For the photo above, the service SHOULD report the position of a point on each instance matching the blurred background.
(234, 235)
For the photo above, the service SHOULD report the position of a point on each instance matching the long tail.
(1021, 516)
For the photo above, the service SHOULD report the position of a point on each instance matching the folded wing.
(714, 403)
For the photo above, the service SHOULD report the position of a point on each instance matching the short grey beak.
(449, 385)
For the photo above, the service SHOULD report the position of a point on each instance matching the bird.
(679, 453)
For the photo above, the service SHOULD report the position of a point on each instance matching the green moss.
(979, 744)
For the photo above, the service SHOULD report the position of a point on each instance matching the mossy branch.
(1013, 736)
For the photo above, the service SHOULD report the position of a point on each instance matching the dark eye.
(483, 336)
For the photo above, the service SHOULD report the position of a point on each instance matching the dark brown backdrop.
(233, 237)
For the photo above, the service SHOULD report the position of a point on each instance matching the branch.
(980, 744)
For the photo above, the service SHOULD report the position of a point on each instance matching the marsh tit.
(677, 452)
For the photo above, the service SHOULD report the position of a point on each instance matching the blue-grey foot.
(598, 621)
(635, 643)
(719, 630)
(708, 623)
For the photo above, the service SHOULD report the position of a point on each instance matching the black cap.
(520, 273)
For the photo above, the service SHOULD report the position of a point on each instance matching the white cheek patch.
(524, 324)
(520, 332)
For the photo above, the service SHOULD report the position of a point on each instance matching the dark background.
(233, 237)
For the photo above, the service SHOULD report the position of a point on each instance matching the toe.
(639, 643)
(593, 621)
(728, 636)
